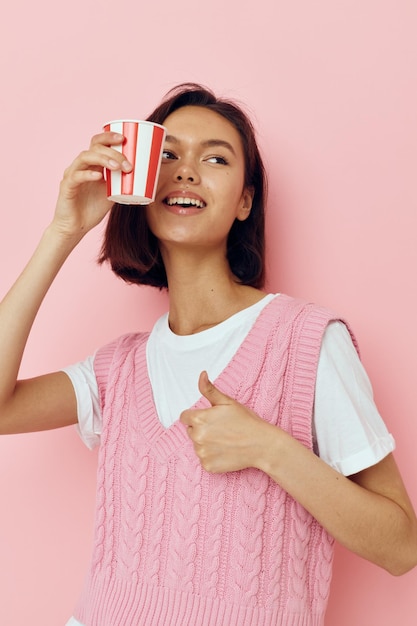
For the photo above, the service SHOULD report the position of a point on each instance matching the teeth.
(185, 201)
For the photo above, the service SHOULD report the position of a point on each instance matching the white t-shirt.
(348, 431)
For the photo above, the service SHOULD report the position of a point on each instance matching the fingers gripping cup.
(143, 147)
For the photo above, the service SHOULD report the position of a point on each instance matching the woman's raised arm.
(49, 401)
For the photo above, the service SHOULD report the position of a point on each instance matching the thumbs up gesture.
(227, 436)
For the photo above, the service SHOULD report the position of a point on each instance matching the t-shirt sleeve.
(85, 386)
(348, 431)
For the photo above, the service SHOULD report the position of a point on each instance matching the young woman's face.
(201, 185)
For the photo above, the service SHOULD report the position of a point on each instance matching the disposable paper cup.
(142, 147)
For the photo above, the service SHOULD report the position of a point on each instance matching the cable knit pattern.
(177, 546)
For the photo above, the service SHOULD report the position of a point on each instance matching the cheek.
(236, 193)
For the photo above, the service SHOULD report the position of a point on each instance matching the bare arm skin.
(49, 401)
(369, 513)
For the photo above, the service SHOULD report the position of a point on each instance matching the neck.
(203, 293)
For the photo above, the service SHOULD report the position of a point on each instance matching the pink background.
(332, 89)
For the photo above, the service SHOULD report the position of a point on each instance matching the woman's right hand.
(49, 401)
(82, 201)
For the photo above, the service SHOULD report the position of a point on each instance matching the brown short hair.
(131, 248)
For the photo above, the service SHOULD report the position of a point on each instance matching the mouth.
(184, 201)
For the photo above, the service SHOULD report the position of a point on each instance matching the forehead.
(200, 123)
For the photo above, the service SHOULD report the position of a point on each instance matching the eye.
(219, 160)
(167, 154)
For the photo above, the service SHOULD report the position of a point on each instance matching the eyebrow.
(209, 143)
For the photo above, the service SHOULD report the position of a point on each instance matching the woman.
(217, 502)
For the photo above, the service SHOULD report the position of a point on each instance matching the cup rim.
(135, 121)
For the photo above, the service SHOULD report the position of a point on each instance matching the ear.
(245, 204)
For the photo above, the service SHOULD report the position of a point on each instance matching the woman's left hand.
(226, 436)
(369, 513)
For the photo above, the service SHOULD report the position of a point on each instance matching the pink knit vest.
(177, 546)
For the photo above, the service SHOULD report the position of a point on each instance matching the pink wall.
(333, 89)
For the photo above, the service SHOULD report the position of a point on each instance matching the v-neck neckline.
(165, 441)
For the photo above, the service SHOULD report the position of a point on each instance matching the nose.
(186, 171)
(188, 178)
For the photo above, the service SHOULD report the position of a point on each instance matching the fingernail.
(126, 166)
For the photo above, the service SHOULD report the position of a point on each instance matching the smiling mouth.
(185, 202)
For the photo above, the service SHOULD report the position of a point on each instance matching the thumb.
(210, 392)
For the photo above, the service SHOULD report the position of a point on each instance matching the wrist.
(63, 240)
(268, 447)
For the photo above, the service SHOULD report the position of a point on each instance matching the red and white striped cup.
(142, 147)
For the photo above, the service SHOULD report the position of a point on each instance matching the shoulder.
(122, 344)
(301, 313)
(307, 325)
(113, 355)
(339, 341)
(290, 306)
